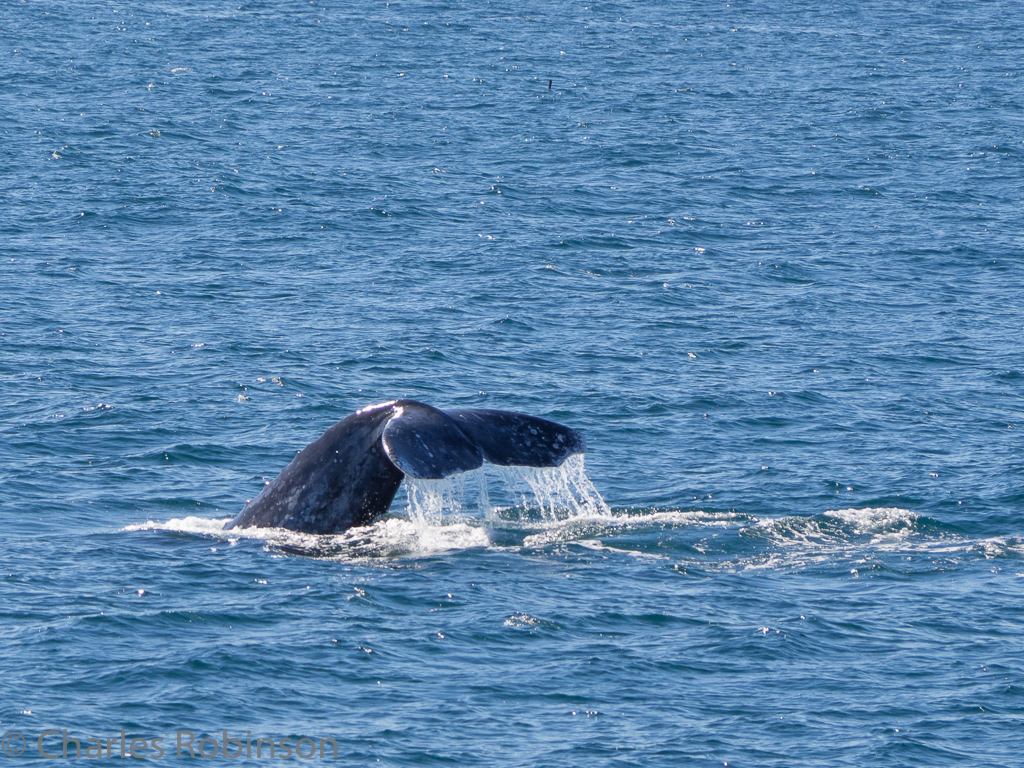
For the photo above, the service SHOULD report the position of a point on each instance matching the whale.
(349, 475)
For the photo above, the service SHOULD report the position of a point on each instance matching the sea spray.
(431, 500)
(555, 493)
(559, 493)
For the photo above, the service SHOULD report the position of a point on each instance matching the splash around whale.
(350, 474)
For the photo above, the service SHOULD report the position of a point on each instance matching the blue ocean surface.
(767, 256)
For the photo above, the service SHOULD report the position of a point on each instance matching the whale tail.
(350, 474)
(427, 443)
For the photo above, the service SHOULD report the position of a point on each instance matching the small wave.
(400, 537)
(586, 527)
(390, 537)
(526, 621)
(596, 545)
(190, 524)
(878, 528)
(875, 519)
(867, 538)
(997, 547)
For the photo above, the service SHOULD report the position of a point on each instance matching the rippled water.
(765, 255)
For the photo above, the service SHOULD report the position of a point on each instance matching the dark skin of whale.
(350, 474)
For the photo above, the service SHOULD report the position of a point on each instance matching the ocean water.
(767, 256)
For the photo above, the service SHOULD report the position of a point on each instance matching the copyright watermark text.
(61, 744)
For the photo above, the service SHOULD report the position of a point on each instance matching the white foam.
(391, 536)
(875, 519)
(395, 536)
(585, 527)
(214, 527)
(190, 524)
(596, 545)
(884, 525)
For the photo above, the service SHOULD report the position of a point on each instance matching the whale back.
(340, 480)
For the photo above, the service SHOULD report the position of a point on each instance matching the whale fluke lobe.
(427, 444)
(510, 439)
(350, 474)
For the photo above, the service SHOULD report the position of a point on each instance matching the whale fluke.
(510, 439)
(427, 444)
(350, 474)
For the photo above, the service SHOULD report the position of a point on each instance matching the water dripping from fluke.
(534, 496)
